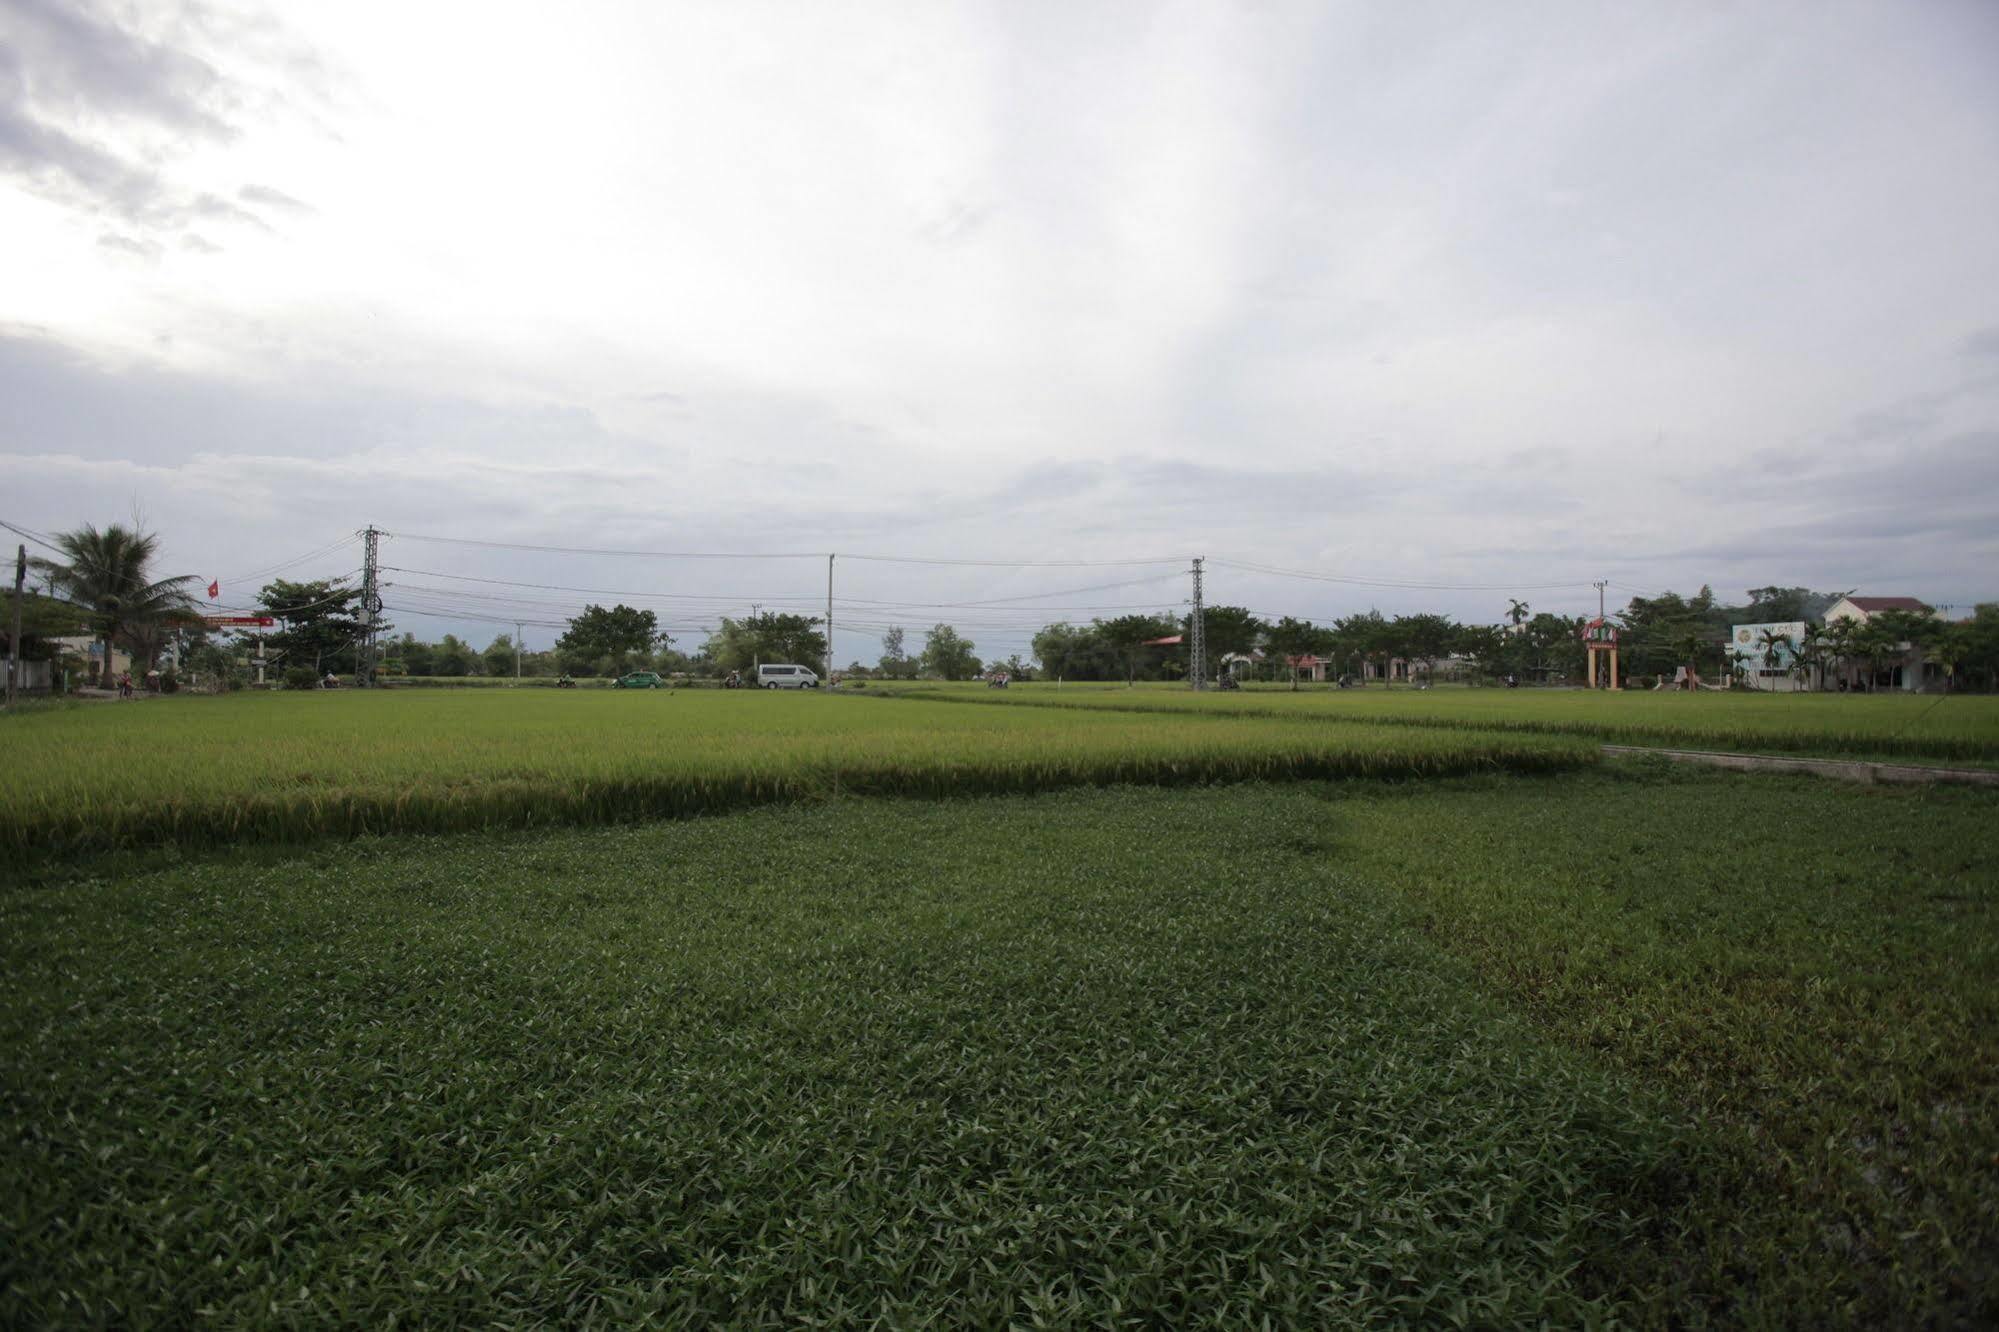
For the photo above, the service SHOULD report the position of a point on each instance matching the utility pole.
(1600, 585)
(14, 643)
(1197, 635)
(517, 652)
(829, 620)
(371, 607)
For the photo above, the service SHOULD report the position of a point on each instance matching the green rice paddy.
(296, 766)
(1150, 1024)
(1888, 725)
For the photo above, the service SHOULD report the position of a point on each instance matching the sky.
(1445, 304)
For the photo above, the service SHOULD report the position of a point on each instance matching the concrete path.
(1849, 770)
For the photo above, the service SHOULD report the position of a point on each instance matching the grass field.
(1938, 727)
(295, 766)
(1607, 1046)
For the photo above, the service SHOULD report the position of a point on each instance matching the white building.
(1903, 669)
(1766, 654)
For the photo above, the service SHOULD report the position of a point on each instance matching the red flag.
(214, 590)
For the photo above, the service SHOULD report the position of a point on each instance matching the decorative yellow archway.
(1600, 636)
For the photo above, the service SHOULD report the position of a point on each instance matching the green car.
(638, 680)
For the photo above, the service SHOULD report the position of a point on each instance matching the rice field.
(1960, 727)
(1609, 1047)
(288, 767)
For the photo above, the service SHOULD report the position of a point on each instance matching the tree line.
(101, 584)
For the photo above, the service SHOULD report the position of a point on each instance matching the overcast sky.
(1498, 298)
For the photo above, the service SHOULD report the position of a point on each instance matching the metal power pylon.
(1197, 636)
(371, 609)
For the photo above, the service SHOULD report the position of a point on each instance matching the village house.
(1906, 668)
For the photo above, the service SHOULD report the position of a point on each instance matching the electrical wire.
(39, 538)
(1404, 584)
(1019, 564)
(603, 591)
(591, 550)
(294, 562)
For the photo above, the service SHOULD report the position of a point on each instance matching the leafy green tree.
(1227, 629)
(416, 656)
(1483, 645)
(43, 620)
(599, 640)
(895, 663)
(1949, 647)
(109, 575)
(1808, 657)
(1290, 638)
(1073, 652)
(320, 623)
(1892, 633)
(1841, 647)
(672, 661)
(1126, 636)
(1424, 638)
(1660, 633)
(1368, 636)
(1557, 644)
(1785, 604)
(498, 658)
(1981, 637)
(766, 637)
(452, 657)
(947, 654)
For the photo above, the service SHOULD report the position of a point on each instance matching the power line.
(294, 562)
(1403, 584)
(801, 599)
(592, 591)
(597, 550)
(40, 539)
(1018, 564)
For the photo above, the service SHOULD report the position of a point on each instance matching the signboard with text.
(1750, 643)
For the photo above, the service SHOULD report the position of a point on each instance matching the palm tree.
(106, 575)
(1810, 656)
(1874, 640)
(1838, 643)
(1516, 611)
(1773, 645)
(1948, 648)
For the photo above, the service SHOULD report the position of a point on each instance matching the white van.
(787, 677)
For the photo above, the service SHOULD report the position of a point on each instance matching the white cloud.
(1460, 293)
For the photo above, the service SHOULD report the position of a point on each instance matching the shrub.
(300, 677)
